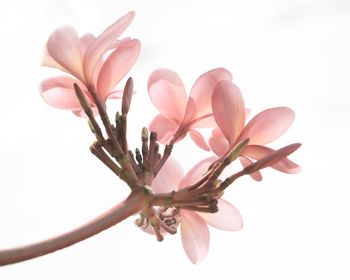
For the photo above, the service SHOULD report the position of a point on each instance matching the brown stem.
(193, 202)
(138, 157)
(167, 152)
(168, 149)
(123, 127)
(212, 209)
(88, 111)
(126, 100)
(134, 164)
(128, 172)
(97, 150)
(106, 123)
(228, 181)
(144, 139)
(134, 203)
(151, 150)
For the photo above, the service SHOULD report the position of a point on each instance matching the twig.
(97, 150)
(87, 109)
(152, 150)
(107, 124)
(166, 154)
(144, 139)
(137, 168)
(123, 127)
(134, 203)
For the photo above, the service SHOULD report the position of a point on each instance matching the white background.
(281, 53)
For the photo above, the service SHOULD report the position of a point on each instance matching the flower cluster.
(214, 102)
(163, 196)
(85, 61)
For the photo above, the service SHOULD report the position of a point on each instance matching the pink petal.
(218, 143)
(167, 93)
(199, 140)
(227, 218)
(168, 178)
(255, 175)
(197, 171)
(114, 45)
(102, 44)
(195, 236)
(202, 91)
(247, 113)
(48, 61)
(116, 94)
(97, 68)
(116, 66)
(164, 127)
(207, 121)
(64, 47)
(228, 109)
(268, 125)
(80, 113)
(85, 41)
(257, 152)
(58, 92)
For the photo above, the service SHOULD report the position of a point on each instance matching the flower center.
(165, 219)
(170, 217)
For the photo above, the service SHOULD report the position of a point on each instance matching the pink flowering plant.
(165, 198)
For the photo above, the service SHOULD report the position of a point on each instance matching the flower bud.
(272, 158)
(144, 133)
(127, 96)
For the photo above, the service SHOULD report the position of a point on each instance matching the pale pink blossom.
(230, 115)
(194, 225)
(179, 115)
(94, 63)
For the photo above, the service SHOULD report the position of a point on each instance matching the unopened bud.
(138, 156)
(117, 117)
(217, 183)
(144, 133)
(271, 158)
(153, 136)
(127, 96)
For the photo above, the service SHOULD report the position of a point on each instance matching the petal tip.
(294, 170)
(131, 14)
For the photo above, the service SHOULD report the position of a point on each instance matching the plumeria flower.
(94, 63)
(177, 114)
(194, 225)
(230, 115)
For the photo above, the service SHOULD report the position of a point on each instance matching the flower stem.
(107, 124)
(166, 154)
(123, 139)
(133, 204)
(87, 109)
(98, 151)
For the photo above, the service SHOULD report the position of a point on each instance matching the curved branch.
(133, 204)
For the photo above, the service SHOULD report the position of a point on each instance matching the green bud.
(144, 133)
(236, 150)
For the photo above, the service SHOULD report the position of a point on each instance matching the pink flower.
(230, 115)
(194, 229)
(179, 115)
(85, 60)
